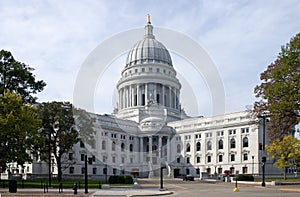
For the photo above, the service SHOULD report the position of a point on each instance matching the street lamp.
(252, 165)
(263, 158)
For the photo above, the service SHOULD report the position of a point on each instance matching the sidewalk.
(92, 192)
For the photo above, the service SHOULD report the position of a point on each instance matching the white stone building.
(149, 127)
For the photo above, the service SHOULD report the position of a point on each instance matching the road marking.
(289, 189)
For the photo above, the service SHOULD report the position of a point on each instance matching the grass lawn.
(278, 179)
(54, 184)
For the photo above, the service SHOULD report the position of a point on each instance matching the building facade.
(150, 129)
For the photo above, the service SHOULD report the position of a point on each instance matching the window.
(198, 146)
(187, 160)
(104, 170)
(81, 144)
(208, 159)
(131, 160)
(131, 147)
(71, 170)
(245, 142)
(82, 157)
(188, 147)
(82, 170)
(135, 70)
(220, 158)
(209, 146)
(178, 148)
(221, 144)
(178, 159)
(114, 171)
(197, 171)
(104, 158)
(114, 159)
(231, 170)
(232, 157)
(103, 145)
(143, 69)
(71, 156)
(245, 157)
(94, 170)
(150, 69)
(232, 132)
(198, 159)
(157, 70)
(123, 160)
(113, 146)
(208, 134)
(232, 143)
(245, 170)
(93, 158)
(122, 147)
(220, 133)
(245, 130)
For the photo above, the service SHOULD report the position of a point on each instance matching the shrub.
(245, 177)
(119, 179)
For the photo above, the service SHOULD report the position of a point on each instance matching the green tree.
(16, 77)
(58, 126)
(19, 136)
(286, 152)
(279, 91)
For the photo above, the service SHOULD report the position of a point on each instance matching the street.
(196, 188)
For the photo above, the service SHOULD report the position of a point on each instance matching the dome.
(148, 50)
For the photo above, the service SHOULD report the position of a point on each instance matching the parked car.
(188, 178)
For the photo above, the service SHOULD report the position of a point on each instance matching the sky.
(241, 37)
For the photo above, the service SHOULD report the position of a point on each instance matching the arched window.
(198, 146)
(131, 147)
(103, 145)
(178, 148)
(122, 147)
(209, 146)
(245, 142)
(113, 146)
(221, 144)
(232, 143)
(188, 147)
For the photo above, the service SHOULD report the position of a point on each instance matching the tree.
(286, 151)
(279, 91)
(58, 127)
(85, 125)
(16, 77)
(19, 124)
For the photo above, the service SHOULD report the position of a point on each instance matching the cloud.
(55, 37)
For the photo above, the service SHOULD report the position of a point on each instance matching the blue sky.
(241, 37)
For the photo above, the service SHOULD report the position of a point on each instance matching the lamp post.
(49, 158)
(55, 128)
(263, 158)
(85, 175)
(252, 165)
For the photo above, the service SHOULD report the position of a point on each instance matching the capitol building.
(149, 128)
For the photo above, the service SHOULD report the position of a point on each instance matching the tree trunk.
(284, 173)
(59, 170)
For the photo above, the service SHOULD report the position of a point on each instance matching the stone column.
(168, 150)
(159, 147)
(141, 150)
(170, 96)
(154, 91)
(138, 99)
(130, 96)
(146, 93)
(123, 97)
(174, 99)
(150, 148)
(163, 95)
